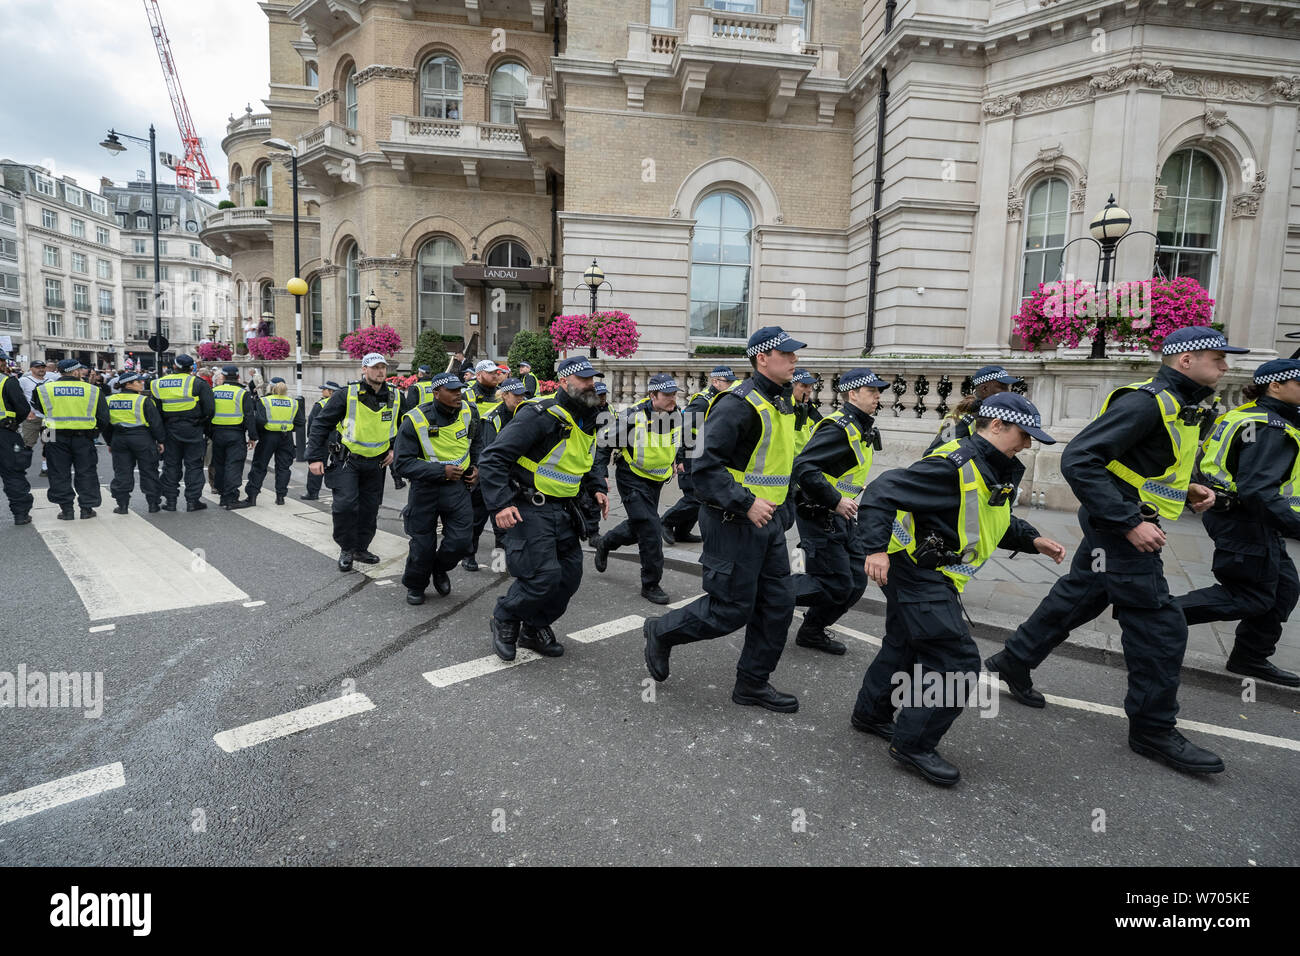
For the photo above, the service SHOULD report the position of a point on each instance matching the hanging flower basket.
(614, 333)
(269, 348)
(372, 338)
(213, 352)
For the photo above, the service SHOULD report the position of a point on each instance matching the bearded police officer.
(314, 480)
(681, 517)
(528, 379)
(927, 529)
(1251, 460)
(15, 455)
(806, 412)
(989, 380)
(186, 403)
(360, 422)
(75, 411)
(511, 393)
(277, 416)
(234, 432)
(829, 475)
(648, 434)
(530, 475)
(436, 449)
(135, 441)
(742, 477)
(1132, 467)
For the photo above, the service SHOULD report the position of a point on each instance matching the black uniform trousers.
(1153, 630)
(834, 563)
(480, 521)
(681, 517)
(73, 462)
(314, 483)
(747, 584)
(15, 459)
(185, 445)
(229, 452)
(933, 635)
(640, 497)
(279, 445)
(135, 448)
(544, 556)
(1260, 591)
(358, 486)
(425, 504)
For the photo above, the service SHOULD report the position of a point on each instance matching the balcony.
(228, 231)
(461, 148)
(325, 20)
(247, 125)
(54, 302)
(327, 155)
(107, 310)
(540, 125)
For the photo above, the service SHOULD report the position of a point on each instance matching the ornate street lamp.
(593, 279)
(372, 303)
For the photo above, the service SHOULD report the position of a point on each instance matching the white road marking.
(857, 635)
(601, 631)
(123, 565)
(253, 603)
(99, 629)
(387, 582)
(314, 528)
(263, 730)
(446, 676)
(45, 796)
(683, 602)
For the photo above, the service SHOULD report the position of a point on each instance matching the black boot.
(154, 506)
(442, 582)
(169, 505)
(505, 635)
(1264, 670)
(279, 499)
(250, 501)
(881, 728)
(22, 519)
(414, 597)
(818, 639)
(669, 536)
(931, 766)
(67, 514)
(763, 695)
(1017, 677)
(656, 653)
(87, 512)
(654, 594)
(1172, 748)
(122, 506)
(345, 560)
(469, 564)
(601, 560)
(196, 505)
(540, 639)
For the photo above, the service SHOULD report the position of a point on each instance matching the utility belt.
(816, 515)
(9, 424)
(1225, 501)
(528, 495)
(935, 552)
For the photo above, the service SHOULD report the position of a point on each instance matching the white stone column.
(987, 328)
(1255, 308)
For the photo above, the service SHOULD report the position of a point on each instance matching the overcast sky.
(70, 69)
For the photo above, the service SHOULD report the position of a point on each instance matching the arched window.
(720, 254)
(352, 288)
(350, 98)
(1191, 216)
(264, 182)
(236, 184)
(509, 90)
(803, 10)
(1045, 232)
(509, 254)
(268, 304)
(312, 77)
(442, 298)
(440, 88)
(315, 310)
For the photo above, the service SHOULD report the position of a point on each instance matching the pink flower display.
(613, 332)
(213, 352)
(570, 331)
(372, 338)
(268, 348)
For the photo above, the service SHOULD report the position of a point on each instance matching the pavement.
(260, 708)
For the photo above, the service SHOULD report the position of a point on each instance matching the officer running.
(233, 432)
(829, 475)
(314, 480)
(421, 390)
(437, 445)
(277, 415)
(528, 379)
(649, 434)
(530, 475)
(511, 393)
(1252, 462)
(1132, 466)
(361, 422)
(927, 529)
(75, 412)
(678, 520)
(742, 476)
(989, 380)
(482, 393)
(186, 403)
(15, 455)
(136, 440)
(806, 412)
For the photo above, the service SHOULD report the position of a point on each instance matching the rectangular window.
(194, 275)
(196, 251)
(142, 301)
(8, 249)
(7, 213)
(106, 330)
(73, 195)
(77, 228)
(8, 283)
(80, 297)
(104, 269)
(53, 323)
(162, 247)
(49, 219)
(141, 221)
(98, 205)
(662, 13)
(79, 263)
(734, 6)
(142, 272)
(102, 236)
(83, 327)
(44, 185)
(139, 247)
(196, 331)
(195, 303)
(162, 274)
(52, 256)
(121, 220)
(106, 302)
(167, 329)
(11, 319)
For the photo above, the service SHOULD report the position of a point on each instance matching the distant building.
(13, 302)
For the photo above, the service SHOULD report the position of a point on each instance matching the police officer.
(482, 393)
(530, 475)
(588, 507)
(186, 403)
(437, 446)
(15, 455)
(511, 393)
(806, 412)
(365, 417)
(927, 529)
(76, 412)
(989, 380)
(1251, 461)
(1132, 467)
(830, 474)
(421, 390)
(678, 520)
(234, 432)
(528, 379)
(648, 434)
(277, 416)
(314, 480)
(136, 441)
(742, 477)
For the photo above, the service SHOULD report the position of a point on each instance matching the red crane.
(194, 160)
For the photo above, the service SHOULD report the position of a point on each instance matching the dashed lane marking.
(446, 676)
(253, 603)
(45, 796)
(601, 631)
(102, 628)
(305, 718)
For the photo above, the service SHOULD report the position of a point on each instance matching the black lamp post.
(372, 303)
(114, 145)
(295, 286)
(593, 279)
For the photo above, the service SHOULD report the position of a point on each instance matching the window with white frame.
(734, 6)
(350, 98)
(196, 330)
(49, 219)
(8, 249)
(106, 330)
(663, 13)
(98, 205)
(103, 236)
(352, 289)
(196, 303)
(164, 273)
(442, 297)
(73, 195)
(8, 283)
(11, 318)
(1191, 217)
(77, 228)
(51, 257)
(79, 264)
(440, 88)
(196, 251)
(264, 183)
(164, 222)
(80, 297)
(312, 77)
(139, 247)
(103, 269)
(508, 254)
(141, 272)
(316, 311)
(720, 267)
(1046, 226)
(7, 214)
(194, 275)
(53, 323)
(83, 327)
(141, 301)
(44, 185)
(142, 220)
(509, 91)
(802, 9)
(162, 247)
(106, 302)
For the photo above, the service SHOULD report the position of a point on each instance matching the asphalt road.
(568, 761)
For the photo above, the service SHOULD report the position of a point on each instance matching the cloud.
(74, 68)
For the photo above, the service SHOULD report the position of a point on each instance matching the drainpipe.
(553, 187)
(882, 100)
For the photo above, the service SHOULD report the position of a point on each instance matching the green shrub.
(225, 204)
(536, 349)
(430, 350)
(720, 349)
(259, 202)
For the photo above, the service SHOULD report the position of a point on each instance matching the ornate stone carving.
(329, 96)
(1215, 116)
(1015, 206)
(780, 220)
(1001, 105)
(1156, 75)
(327, 271)
(1245, 205)
(1048, 155)
(1079, 195)
(474, 79)
(1261, 181)
(674, 213)
(384, 262)
(1160, 194)
(1213, 87)
(1287, 87)
(384, 72)
(1054, 97)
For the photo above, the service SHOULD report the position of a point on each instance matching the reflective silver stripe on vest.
(970, 478)
(559, 476)
(770, 481)
(1168, 492)
(760, 462)
(902, 534)
(966, 569)
(847, 487)
(47, 399)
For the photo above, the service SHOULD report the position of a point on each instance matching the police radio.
(1001, 495)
